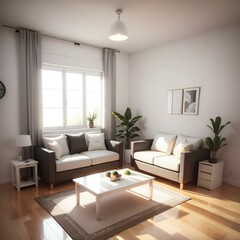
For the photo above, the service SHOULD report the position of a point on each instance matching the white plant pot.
(127, 155)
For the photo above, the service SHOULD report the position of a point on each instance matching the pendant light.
(118, 30)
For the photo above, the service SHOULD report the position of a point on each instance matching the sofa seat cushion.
(101, 156)
(169, 162)
(148, 156)
(69, 162)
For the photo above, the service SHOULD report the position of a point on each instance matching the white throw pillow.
(196, 142)
(96, 141)
(181, 147)
(54, 146)
(163, 142)
(61, 140)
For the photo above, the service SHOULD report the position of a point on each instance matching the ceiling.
(149, 22)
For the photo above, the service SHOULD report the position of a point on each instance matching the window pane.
(74, 99)
(52, 118)
(51, 79)
(52, 98)
(74, 117)
(74, 81)
(94, 97)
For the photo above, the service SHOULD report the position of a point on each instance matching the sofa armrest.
(117, 147)
(140, 145)
(189, 164)
(46, 165)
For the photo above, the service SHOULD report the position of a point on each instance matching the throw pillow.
(61, 140)
(163, 142)
(76, 143)
(54, 146)
(181, 147)
(196, 142)
(96, 141)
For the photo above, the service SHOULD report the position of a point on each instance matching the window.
(69, 96)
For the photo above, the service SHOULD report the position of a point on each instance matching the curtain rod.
(58, 38)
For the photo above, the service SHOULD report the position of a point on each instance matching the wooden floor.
(208, 215)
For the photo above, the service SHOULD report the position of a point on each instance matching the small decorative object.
(113, 176)
(2, 90)
(127, 128)
(191, 100)
(127, 172)
(217, 141)
(90, 119)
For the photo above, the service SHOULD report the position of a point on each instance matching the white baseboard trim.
(3, 181)
(231, 181)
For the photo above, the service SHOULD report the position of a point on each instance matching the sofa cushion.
(169, 162)
(96, 141)
(196, 142)
(61, 140)
(101, 156)
(76, 143)
(163, 142)
(54, 146)
(181, 147)
(69, 162)
(147, 156)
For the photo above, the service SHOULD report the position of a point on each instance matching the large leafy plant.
(127, 129)
(217, 141)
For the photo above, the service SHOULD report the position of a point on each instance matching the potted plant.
(90, 119)
(127, 129)
(217, 141)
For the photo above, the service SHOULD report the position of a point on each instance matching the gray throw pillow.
(76, 143)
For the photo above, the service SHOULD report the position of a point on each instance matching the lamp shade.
(23, 141)
(118, 31)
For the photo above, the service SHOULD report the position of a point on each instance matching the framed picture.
(175, 97)
(191, 100)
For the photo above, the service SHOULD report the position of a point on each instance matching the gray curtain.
(109, 68)
(30, 85)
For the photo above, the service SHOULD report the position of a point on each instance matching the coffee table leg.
(150, 189)
(98, 207)
(77, 190)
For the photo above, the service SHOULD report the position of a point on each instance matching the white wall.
(9, 109)
(210, 61)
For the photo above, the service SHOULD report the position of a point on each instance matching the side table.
(16, 178)
(210, 174)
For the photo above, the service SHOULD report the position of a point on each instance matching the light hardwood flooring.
(208, 215)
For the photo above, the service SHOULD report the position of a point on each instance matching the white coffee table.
(99, 185)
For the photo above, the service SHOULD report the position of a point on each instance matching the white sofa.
(169, 156)
(66, 157)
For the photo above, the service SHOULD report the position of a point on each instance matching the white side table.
(16, 166)
(210, 174)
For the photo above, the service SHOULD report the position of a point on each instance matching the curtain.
(30, 85)
(109, 68)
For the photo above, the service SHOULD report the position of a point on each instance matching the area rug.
(119, 211)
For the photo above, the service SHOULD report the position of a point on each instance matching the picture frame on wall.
(175, 98)
(191, 100)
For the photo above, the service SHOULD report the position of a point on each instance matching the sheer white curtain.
(30, 91)
(109, 68)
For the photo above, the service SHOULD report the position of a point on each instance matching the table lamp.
(23, 141)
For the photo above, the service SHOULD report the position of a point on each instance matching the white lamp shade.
(118, 31)
(23, 141)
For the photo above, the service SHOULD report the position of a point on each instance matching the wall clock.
(2, 90)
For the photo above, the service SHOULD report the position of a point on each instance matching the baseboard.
(231, 181)
(7, 180)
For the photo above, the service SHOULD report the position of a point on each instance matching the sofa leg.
(51, 186)
(181, 186)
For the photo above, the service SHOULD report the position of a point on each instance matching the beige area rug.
(119, 211)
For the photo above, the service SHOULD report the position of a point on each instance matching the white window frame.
(84, 73)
